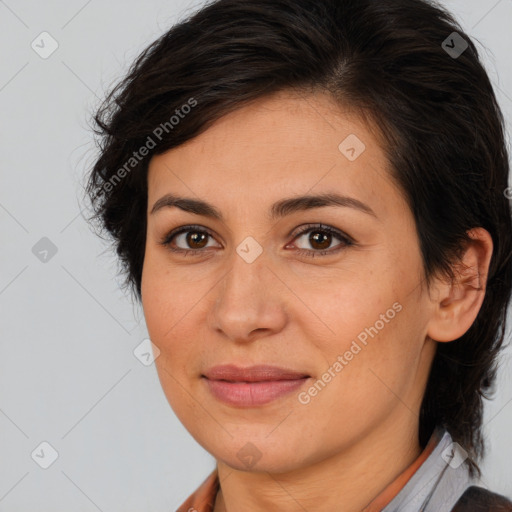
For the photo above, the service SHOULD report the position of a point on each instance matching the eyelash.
(346, 240)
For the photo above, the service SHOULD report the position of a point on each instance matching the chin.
(261, 454)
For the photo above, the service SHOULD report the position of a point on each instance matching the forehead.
(277, 146)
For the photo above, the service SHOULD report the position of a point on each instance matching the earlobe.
(458, 303)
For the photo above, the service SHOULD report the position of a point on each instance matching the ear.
(457, 304)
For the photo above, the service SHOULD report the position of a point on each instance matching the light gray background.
(68, 375)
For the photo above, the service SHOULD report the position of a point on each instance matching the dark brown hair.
(390, 60)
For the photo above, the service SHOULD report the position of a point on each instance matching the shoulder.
(478, 499)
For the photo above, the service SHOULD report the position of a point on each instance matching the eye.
(320, 238)
(194, 237)
(195, 240)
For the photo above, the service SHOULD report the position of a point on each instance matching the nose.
(250, 301)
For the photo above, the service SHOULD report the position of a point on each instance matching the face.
(328, 290)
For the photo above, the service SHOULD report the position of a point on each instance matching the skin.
(356, 435)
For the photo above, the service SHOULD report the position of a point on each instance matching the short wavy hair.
(396, 62)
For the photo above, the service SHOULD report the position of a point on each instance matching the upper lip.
(258, 373)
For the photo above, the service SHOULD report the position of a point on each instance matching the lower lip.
(248, 394)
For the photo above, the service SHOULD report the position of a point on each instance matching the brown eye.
(320, 239)
(193, 240)
(187, 240)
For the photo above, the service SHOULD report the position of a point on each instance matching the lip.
(252, 386)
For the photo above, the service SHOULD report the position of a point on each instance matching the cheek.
(362, 385)
(165, 320)
(155, 306)
(370, 341)
(161, 320)
(163, 297)
(344, 308)
(169, 308)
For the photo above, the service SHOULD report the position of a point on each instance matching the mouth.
(252, 386)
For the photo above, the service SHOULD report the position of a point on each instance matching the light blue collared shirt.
(438, 483)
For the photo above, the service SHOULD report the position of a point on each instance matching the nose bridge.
(242, 285)
(245, 301)
(248, 260)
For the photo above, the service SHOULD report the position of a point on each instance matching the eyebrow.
(279, 209)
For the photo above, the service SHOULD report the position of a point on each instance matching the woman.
(309, 198)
